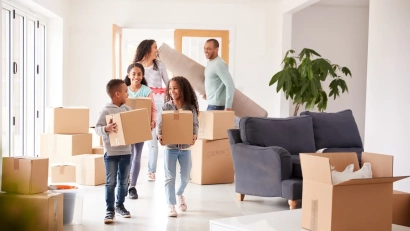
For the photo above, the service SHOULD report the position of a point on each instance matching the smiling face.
(136, 76)
(154, 51)
(210, 50)
(174, 90)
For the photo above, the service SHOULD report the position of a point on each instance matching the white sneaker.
(182, 204)
(172, 211)
(151, 176)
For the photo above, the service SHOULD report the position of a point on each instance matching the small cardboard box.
(177, 127)
(67, 120)
(213, 125)
(140, 103)
(97, 140)
(63, 173)
(351, 205)
(52, 145)
(212, 162)
(42, 211)
(98, 150)
(401, 208)
(132, 127)
(24, 175)
(90, 169)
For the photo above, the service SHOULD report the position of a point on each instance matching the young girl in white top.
(155, 75)
(137, 87)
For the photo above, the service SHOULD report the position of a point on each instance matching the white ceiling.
(354, 3)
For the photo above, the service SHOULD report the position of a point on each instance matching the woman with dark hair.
(155, 74)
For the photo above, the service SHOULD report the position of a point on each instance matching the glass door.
(5, 80)
(40, 83)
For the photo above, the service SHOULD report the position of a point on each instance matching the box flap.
(382, 165)
(380, 180)
(340, 160)
(315, 168)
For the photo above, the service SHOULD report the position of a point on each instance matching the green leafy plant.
(303, 82)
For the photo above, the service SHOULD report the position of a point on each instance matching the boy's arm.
(101, 124)
(226, 78)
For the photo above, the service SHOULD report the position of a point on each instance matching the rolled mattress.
(181, 65)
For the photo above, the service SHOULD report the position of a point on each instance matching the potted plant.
(303, 82)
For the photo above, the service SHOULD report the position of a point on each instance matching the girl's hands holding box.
(159, 137)
(194, 139)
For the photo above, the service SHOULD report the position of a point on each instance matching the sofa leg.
(239, 197)
(292, 204)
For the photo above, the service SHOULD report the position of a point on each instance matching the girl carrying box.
(179, 94)
(137, 87)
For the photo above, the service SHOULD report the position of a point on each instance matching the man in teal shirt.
(219, 86)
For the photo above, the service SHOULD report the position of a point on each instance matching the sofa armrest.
(259, 171)
(234, 136)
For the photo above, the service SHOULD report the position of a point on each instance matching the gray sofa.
(265, 151)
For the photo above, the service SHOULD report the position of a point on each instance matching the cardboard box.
(350, 205)
(401, 208)
(90, 169)
(212, 162)
(42, 211)
(98, 150)
(24, 175)
(59, 145)
(63, 173)
(132, 127)
(97, 140)
(213, 125)
(67, 120)
(140, 103)
(177, 127)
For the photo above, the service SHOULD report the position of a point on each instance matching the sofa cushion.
(335, 130)
(295, 134)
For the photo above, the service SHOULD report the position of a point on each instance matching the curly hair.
(143, 50)
(127, 79)
(187, 92)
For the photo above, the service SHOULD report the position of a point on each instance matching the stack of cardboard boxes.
(211, 154)
(24, 201)
(68, 145)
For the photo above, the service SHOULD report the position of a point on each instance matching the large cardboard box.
(177, 127)
(351, 205)
(67, 120)
(98, 150)
(63, 173)
(90, 169)
(42, 211)
(401, 208)
(213, 125)
(61, 145)
(24, 175)
(140, 103)
(212, 162)
(132, 127)
(96, 139)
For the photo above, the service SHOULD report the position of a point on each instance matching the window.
(23, 82)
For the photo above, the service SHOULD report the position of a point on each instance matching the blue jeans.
(214, 107)
(171, 156)
(136, 151)
(116, 166)
(153, 144)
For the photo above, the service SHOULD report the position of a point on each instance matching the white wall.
(340, 35)
(90, 38)
(387, 111)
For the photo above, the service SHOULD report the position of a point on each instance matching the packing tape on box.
(176, 115)
(16, 163)
(314, 213)
(62, 169)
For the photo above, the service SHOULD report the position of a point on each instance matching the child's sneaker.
(122, 211)
(109, 217)
(182, 204)
(151, 176)
(132, 193)
(172, 211)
